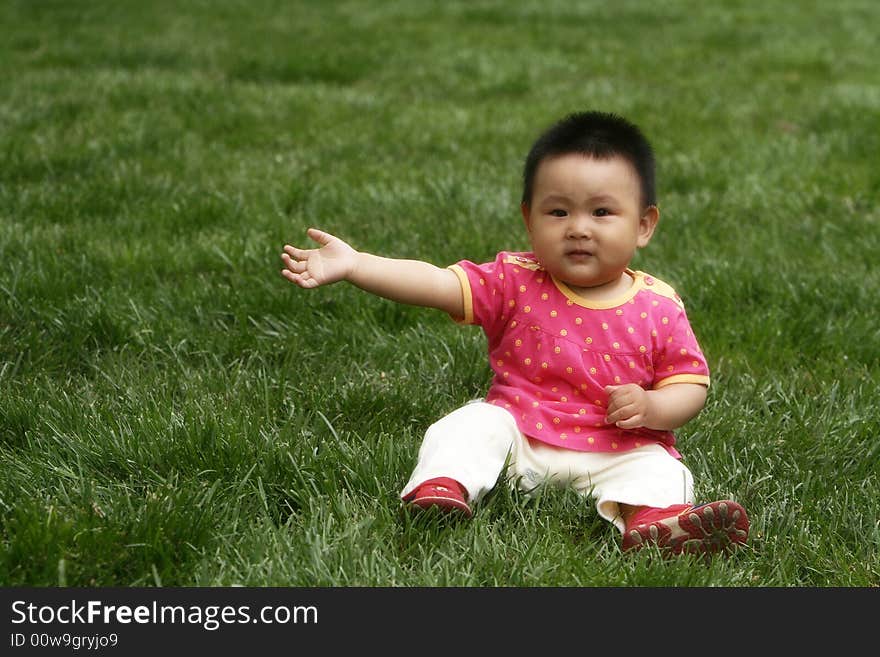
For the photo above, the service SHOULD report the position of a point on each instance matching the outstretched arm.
(406, 281)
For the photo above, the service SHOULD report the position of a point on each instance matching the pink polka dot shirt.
(553, 351)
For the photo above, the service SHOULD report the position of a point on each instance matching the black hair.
(594, 134)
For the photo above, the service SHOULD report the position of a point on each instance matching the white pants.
(472, 444)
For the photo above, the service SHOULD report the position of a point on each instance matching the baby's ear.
(647, 224)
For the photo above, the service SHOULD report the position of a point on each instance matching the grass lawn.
(172, 412)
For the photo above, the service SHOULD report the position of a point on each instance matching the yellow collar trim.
(638, 284)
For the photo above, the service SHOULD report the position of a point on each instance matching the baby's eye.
(602, 212)
(558, 212)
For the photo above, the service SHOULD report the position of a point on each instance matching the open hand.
(333, 261)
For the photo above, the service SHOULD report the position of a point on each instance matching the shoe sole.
(709, 528)
(445, 504)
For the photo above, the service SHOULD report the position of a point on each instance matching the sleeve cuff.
(701, 379)
(466, 294)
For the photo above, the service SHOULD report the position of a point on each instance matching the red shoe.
(443, 493)
(707, 528)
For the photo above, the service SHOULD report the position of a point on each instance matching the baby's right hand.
(333, 261)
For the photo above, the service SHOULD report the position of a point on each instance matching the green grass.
(172, 412)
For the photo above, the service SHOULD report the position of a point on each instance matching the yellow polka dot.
(665, 320)
(607, 358)
(670, 368)
(501, 276)
(632, 364)
(563, 399)
(535, 404)
(598, 402)
(500, 363)
(593, 370)
(511, 303)
(545, 365)
(578, 321)
(588, 340)
(539, 426)
(557, 349)
(563, 333)
(518, 343)
(556, 420)
(613, 445)
(582, 411)
(541, 280)
(638, 444)
(527, 309)
(644, 315)
(695, 363)
(616, 379)
(653, 333)
(569, 369)
(569, 302)
(545, 296)
(604, 326)
(553, 313)
(554, 389)
(643, 348)
(683, 352)
(522, 288)
(591, 440)
(527, 361)
(619, 312)
(616, 345)
(506, 374)
(516, 398)
(482, 281)
(563, 436)
(655, 303)
(513, 324)
(630, 330)
(669, 339)
(577, 429)
(507, 406)
(583, 386)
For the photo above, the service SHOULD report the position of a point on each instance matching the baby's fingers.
(304, 279)
(320, 236)
(296, 266)
(294, 252)
(616, 413)
(633, 422)
(624, 417)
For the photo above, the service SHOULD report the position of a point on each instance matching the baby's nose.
(579, 229)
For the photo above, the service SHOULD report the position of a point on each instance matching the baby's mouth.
(578, 253)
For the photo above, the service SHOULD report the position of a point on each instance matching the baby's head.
(588, 200)
(597, 135)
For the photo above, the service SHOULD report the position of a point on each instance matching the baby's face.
(586, 220)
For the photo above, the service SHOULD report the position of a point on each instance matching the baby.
(595, 365)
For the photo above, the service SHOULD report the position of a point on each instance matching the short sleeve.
(679, 358)
(484, 290)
